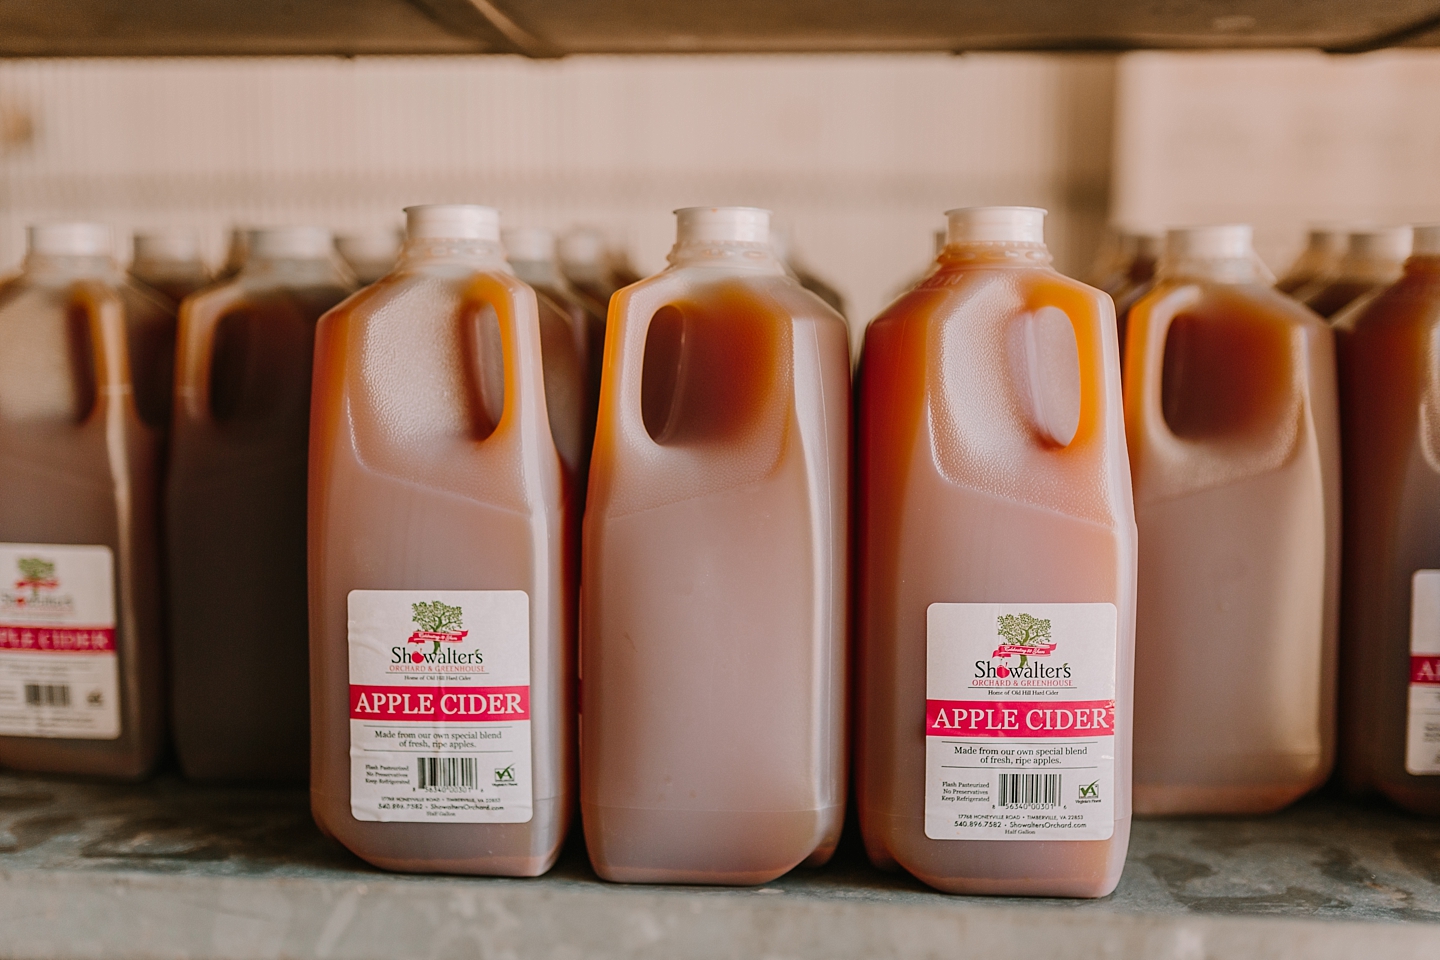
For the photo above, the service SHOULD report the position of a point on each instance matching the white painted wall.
(1279, 140)
(858, 154)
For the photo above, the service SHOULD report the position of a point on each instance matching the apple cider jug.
(713, 656)
(442, 561)
(235, 510)
(81, 654)
(1231, 413)
(996, 574)
(1390, 626)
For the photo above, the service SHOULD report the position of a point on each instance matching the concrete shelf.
(172, 870)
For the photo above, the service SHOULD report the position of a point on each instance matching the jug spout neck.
(481, 254)
(65, 268)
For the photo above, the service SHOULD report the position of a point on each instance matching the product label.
(1422, 735)
(1020, 721)
(440, 706)
(58, 671)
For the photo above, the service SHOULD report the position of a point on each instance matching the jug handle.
(518, 312)
(1148, 329)
(625, 351)
(1094, 336)
(106, 319)
(198, 320)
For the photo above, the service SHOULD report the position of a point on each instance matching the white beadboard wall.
(1279, 140)
(858, 155)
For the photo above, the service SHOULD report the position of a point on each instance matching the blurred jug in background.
(1373, 260)
(1230, 408)
(1323, 248)
(235, 510)
(370, 254)
(1390, 654)
(85, 358)
(168, 261)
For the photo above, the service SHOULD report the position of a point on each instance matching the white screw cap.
(1427, 241)
(996, 225)
(722, 225)
(71, 240)
(1380, 243)
(528, 243)
(167, 243)
(452, 221)
(1223, 242)
(301, 243)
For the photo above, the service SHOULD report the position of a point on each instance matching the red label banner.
(1425, 670)
(57, 639)
(1022, 718)
(439, 704)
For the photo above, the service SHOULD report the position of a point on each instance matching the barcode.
(1029, 789)
(47, 695)
(446, 773)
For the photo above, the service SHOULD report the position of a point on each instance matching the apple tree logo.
(1023, 634)
(36, 575)
(438, 623)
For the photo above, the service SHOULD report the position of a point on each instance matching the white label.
(440, 706)
(1020, 721)
(59, 676)
(1422, 733)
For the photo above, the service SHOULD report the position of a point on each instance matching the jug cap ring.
(71, 240)
(452, 221)
(996, 225)
(722, 225)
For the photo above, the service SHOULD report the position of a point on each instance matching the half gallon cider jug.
(442, 562)
(1373, 260)
(235, 510)
(996, 566)
(168, 261)
(713, 645)
(1390, 653)
(1231, 413)
(1323, 248)
(80, 620)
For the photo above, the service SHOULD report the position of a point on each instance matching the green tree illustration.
(1022, 630)
(437, 617)
(34, 572)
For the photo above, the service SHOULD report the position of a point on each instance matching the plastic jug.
(168, 261)
(442, 563)
(586, 262)
(1132, 263)
(1373, 260)
(80, 619)
(713, 654)
(1323, 248)
(1390, 639)
(370, 254)
(236, 253)
(996, 574)
(1231, 413)
(235, 510)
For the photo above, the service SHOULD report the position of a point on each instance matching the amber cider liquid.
(965, 496)
(436, 463)
(1390, 408)
(714, 584)
(1231, 415)
(235, 521)
(84, 400)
